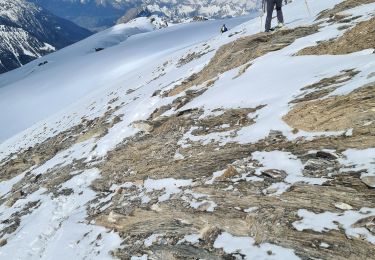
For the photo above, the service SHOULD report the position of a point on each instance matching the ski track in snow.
(78, 82)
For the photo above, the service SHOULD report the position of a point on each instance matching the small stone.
(326, 155)
(120, 190)
(229, 173)
(209, 234)
(156, 207)
(368, 223)
(66, 192)
(251, 209)
(3, 242)
(143, 126)
(369, 181)
(113, 217)
(343, 206)
(16, 196)
(316, 164)
(274, 174)
(204, 206)
(324, 245)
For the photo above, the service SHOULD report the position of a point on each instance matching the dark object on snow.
(42, 63)
(269, 5)
(223, 29)
(199, 18)
(99, 49)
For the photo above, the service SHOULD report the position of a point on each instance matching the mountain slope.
(185, 143)
(98, 15)
(28, 32)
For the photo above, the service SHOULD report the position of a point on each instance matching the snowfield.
(128, 76)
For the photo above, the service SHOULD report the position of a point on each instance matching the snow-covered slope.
(49, 88)
(28, 32)
(186, 143)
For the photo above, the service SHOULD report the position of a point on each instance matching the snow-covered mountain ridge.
(28, 32)
(97, 15)
(185, 143)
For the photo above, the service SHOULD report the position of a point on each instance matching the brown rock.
(326, 155)
(16, 196)
(369, 181)
(229, 173)
(274, 174)
(3, 242)
(368, 223)
(209, 234)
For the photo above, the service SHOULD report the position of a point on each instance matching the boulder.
(369, 181)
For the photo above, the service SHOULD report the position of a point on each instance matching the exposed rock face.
(28, 32)
(335, 113)
(359, 38)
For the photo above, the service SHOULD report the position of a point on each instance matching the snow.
(246, 246)
(66, 157)
(192, 239)
(47, 47)
(287, 162)
(251, 209)
(359, 160)
(258, 87)
(59, 223)
(6, 186)
(323, 222)
(214, 176)
(178, 156)
(129, 52)
(126, 63)
(169, 185)
(151, 239)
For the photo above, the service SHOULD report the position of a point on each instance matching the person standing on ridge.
(269, 5)
(223, 29)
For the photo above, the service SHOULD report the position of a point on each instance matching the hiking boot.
(280, 25)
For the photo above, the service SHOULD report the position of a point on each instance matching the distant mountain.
(91, 14)
(97, 15)
(28, 32)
